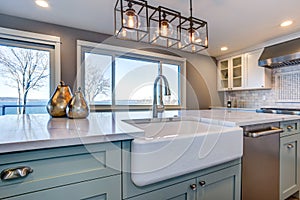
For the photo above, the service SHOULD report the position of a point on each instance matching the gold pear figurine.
(78, 107)
(58, 103)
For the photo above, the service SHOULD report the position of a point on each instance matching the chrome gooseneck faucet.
(159, 108)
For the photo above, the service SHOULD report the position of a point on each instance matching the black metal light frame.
(146, 33)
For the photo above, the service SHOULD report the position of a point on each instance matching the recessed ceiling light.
(286, 23)
(224, 48)
(42, 3)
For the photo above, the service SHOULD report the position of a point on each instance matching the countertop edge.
(284, 118)
(45, 144)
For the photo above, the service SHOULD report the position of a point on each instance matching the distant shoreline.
(16, 99)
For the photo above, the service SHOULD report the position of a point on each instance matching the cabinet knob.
(193, 187)
(290, 146)
(289, 127)
(15, 173)
(202, 183)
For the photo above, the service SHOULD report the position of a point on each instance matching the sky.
(8, 87)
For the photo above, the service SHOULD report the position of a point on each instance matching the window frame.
(105, 49)
(42, 39)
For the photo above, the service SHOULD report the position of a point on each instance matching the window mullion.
(82, 69)
(113, 81)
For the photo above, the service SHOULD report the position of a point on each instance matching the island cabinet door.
(223, 184)
(181, 191)
(108, 188)
(289, 165)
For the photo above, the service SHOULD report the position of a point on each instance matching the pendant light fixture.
(194, 36)
(164, 27)
(131, 20)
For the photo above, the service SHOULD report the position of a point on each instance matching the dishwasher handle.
(255, 134)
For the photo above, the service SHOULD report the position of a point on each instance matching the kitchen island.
(38, 131)
(90, 157)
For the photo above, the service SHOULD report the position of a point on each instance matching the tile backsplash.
(266, 98)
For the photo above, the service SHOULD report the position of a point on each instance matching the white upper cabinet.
(243, 73)
(256, 77)
(231, 73)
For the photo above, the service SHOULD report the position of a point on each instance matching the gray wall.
(201, 70)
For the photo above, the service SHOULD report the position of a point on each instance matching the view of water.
(29, 110)
(6, 103)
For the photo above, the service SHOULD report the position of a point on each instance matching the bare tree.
(25, 70)
(95, 82)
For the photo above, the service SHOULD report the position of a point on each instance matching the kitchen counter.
(241, 118)
(36, 131)
(233, 109)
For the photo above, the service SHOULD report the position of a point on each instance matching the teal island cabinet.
(102, 171)
(89, 171)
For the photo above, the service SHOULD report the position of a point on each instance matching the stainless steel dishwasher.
(260, 163)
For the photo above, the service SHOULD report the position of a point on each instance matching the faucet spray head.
(167, 91)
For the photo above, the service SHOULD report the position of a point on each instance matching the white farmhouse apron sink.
(172, 147)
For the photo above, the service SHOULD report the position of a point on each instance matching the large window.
(123, 77)
(27, 72)
(97, 76)
(134, 81)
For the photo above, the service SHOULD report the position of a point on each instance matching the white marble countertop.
(232, 108)
(26, 132)
(242, 118)
(36, 131)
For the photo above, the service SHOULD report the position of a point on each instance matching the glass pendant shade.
(164, 27)
(131, 19)
(193, 35)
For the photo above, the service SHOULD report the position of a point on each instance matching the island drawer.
(60, 166)
(289, 127)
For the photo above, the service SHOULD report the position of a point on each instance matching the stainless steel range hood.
(283, 54)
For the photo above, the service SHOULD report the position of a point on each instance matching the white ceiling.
(237, 24)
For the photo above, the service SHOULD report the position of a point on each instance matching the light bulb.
(286, 23)
(42, 3)
(164, 31)
(224, 48)
(194, 36)
(130, 22)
